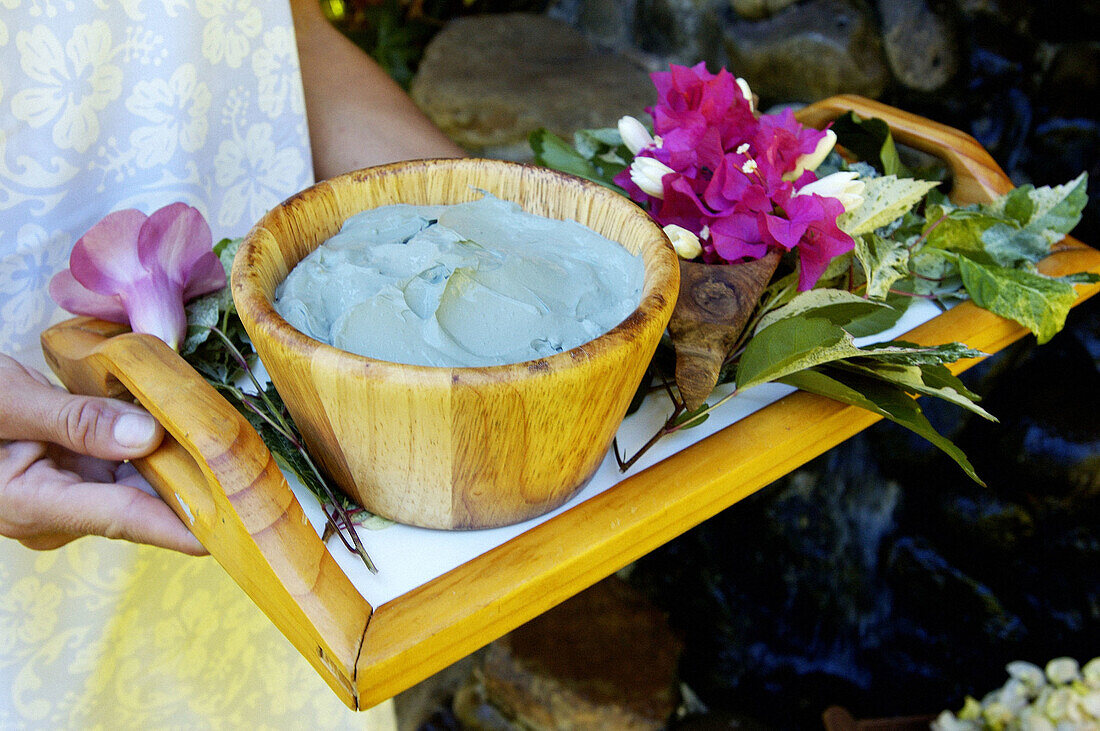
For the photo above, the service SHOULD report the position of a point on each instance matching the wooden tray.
(219, 477)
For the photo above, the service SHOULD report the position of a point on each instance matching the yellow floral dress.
(108, 104)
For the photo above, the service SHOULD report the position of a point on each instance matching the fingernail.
(134, 430)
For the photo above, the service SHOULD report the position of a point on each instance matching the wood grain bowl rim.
(661, 285)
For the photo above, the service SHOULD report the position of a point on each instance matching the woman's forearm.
(358, 116)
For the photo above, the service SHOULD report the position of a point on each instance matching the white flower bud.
(684, 241)
(811, 160)
(746, 92)
(844, 186)
(1091, 673)
(1030, 674)
(635, 136)
(1032, 720)
(1058, 704)
(1090, 703)
(647, 173)
(1062, 670)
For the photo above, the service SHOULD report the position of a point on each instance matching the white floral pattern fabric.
(109, 104)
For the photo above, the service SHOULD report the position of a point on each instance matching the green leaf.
(883, 399)
(1037, 302)
(906, 353)
(882, 319)
(693, 418)
(1008, 245)
(836, 306)
(791, 345)
(960, 230)
(552, 151)
(593, 142)
(1080, 278)
(203, 313)
(885, 199)
(927, 379)
(869, 140)
(884, 261)
(1054, 211)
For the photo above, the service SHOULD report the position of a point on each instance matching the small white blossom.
(742, 148)
(1091, 673)
(647, 173)
(684, 241)
(844, 186)
(1063, 670)
(635, 136)
(947, 721)
(1030, 674)
(749, 167)
(811, 160)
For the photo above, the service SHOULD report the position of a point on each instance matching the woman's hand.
(60, 477)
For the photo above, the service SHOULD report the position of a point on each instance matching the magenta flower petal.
(783, 232)
(74, 297)
(141, 269)
(207, 275)
(155, 306)
(106, 257)
(173, 239)
(737, 237)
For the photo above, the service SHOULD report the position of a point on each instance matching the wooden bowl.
(454, 447)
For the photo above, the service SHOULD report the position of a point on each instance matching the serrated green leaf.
(1008, 245)
(884, 262)
(885, 199)
(883, 399)
(791, 345)
(203, 313)
(960, 230)
(1037, 302)
(836, 306)
(1057, 210)
(927, 379)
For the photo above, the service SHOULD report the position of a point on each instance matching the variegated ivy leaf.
(1049, 211)
(884, 261)
(837, 306)
(885, 199)
(1037, 302)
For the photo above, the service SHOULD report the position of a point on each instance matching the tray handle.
(977, 176)
(217, 474)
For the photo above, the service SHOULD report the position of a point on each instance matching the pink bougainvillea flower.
(821, 240)
(138, 269)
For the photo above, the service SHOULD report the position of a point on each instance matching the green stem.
(277, 421)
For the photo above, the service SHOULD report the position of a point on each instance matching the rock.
(808, 52)
(488, 81)
(607, 23)
(1074, 74)
(921, 44)
(680, 31)
(603, 659)
(757, 9)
